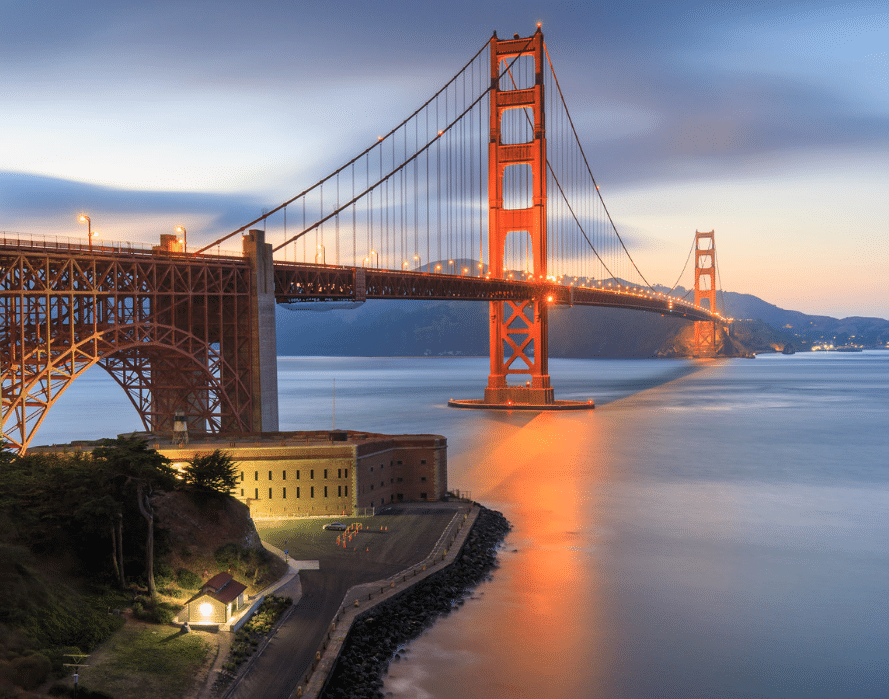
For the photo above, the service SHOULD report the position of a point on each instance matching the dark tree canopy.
(216, 471)
(133, 458)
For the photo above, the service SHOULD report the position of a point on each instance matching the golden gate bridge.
(483, 193)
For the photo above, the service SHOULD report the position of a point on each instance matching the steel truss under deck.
(172, 331)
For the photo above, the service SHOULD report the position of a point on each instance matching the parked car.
(336, 526)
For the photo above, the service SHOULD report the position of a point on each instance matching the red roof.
(229, 591)
(221, 587)
(217, 582)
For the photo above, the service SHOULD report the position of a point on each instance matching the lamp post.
(374, 252)
(321, 254)
(183, 237)
(89, 229)
(419, 263)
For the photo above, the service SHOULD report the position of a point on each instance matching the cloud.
(56, 203)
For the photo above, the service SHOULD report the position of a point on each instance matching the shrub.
(30, 671)
(188, 580)
(161, 615)
(163, 574)
(173, 592)
(228, 555)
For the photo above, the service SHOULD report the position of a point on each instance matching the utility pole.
(77, 664)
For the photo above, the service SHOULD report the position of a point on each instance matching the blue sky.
(766, 121)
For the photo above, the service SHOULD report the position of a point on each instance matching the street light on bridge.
(89, 229)
(180, 231)
(419, 263)
(322, 254)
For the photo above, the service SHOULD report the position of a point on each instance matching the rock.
(376, 639)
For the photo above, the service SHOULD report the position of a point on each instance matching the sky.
(767, 122)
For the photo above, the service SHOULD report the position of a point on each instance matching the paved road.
(412, 532)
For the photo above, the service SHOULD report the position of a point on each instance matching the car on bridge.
(336, 526)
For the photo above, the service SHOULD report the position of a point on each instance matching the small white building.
(220, 597)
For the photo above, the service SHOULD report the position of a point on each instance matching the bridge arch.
(162, 369)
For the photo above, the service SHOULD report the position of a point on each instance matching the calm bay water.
(712, 529)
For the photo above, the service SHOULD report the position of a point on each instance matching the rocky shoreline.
(377, 635)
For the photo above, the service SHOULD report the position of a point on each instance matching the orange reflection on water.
(542, 468)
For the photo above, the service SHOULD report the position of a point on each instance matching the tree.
(216, 471)
(130, 459)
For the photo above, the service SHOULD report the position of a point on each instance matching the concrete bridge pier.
(263, 346)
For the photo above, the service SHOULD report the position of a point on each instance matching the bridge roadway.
(306, 282)
(296, 282)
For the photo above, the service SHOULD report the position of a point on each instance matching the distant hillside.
(440, 328)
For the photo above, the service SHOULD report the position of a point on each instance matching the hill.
(74, 548)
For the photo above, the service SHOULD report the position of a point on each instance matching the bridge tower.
(705, 288)
(518, 329)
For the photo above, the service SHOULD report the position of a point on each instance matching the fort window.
(270, 475)
(256, 493)
(345, 473)
(297, 491)
(312, 492)
(325, 473)
(256, 475)
(242, 492)
(422, 461)
(399, 463)
(283, 475)
(345, 491)
(270, 493)
(422, 496)
(284, 493)
(371, 486)
(422, 479)
(325, 491)
(339, 473)
(312, 474)
(297, 475)
(339, 491)
(242, 477)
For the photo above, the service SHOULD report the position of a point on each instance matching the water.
(712, 529)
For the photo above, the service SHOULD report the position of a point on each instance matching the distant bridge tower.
(705, 288)
(518, 329)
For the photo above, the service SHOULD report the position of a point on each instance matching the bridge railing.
(61, 242)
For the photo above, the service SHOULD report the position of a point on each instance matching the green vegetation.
(216, 471)
(77, 540)
(256, 565)
(249, 636)
(188, 580)
(147, 661)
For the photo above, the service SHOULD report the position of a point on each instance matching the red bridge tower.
(705, 288)
(518, 329)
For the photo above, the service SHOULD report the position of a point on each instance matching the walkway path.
(277, 668)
